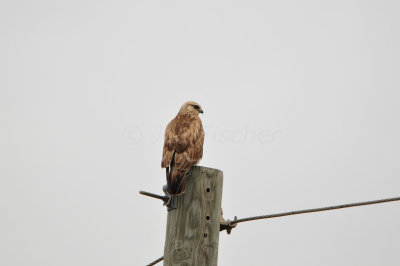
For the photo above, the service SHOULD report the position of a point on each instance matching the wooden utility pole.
(193, 227)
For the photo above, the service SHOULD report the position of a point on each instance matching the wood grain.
(193, 228)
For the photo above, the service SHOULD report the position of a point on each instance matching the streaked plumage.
(183, 146)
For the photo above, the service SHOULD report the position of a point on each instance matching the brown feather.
(183, 148)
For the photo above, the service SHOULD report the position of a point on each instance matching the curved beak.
(201, 111)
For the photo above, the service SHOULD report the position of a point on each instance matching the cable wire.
(349, 205)
(156, 261)
(233, 223)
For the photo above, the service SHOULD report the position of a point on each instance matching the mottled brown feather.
(183, 146)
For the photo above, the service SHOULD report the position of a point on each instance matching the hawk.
(183, 146)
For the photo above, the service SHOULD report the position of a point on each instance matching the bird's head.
(191, 107)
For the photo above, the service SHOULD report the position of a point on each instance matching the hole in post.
(208, 189)
(208, 217)
(205, 234)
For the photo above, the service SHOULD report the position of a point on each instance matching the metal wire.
(156, 261)
(233, 223)
(269, 216)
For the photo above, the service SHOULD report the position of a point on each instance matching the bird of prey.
(183, 146)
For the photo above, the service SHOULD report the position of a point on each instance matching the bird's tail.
(168, 175)
(177, 181)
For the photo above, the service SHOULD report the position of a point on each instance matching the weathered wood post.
(193, 227)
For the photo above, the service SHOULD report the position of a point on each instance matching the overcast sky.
(301, 110)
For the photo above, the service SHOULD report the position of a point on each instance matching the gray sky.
(301, 110)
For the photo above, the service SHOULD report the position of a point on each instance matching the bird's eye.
(196, 107)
